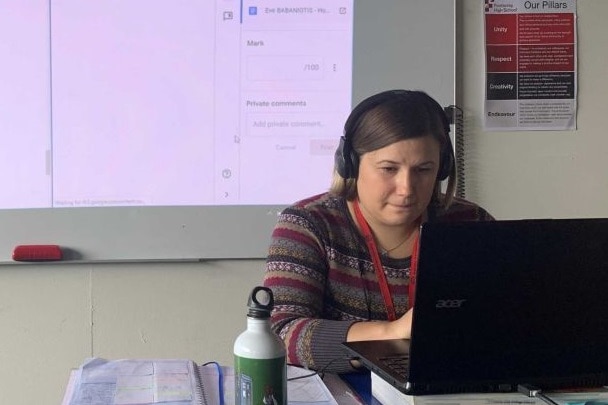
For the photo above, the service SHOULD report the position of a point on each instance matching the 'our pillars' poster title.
(530, 51)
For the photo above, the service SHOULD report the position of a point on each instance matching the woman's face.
(396, 183)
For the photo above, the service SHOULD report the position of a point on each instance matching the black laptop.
(503, 303)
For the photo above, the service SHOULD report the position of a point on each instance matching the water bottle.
(260, 368)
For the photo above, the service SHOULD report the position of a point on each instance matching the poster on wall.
(530, 53)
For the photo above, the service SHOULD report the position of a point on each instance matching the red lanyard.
(373, 251)
(382, 282)
(413, 270)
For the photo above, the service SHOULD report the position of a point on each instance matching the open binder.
(176, 382)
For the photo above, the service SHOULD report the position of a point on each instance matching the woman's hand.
(377, 330)
(403, 326)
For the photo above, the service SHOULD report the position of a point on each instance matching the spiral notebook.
(136, 381)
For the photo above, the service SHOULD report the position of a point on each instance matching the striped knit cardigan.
(323, 280)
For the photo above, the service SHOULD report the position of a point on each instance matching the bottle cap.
(260, 303)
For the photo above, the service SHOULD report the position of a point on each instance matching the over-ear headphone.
(347, 159)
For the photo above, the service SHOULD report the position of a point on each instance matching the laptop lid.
(503, 303)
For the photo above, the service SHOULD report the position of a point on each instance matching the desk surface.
(356, 389)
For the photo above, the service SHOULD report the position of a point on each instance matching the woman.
(322, 267)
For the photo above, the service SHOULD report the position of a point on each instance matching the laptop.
(503, 303)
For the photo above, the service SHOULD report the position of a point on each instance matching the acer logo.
(449, 303)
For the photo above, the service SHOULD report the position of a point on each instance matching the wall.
(541, 173)
(54, 316)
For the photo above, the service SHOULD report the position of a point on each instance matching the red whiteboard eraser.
(37, 253)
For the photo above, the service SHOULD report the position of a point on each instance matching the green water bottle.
(260, 368)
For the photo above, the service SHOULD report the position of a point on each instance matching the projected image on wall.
(128, 103)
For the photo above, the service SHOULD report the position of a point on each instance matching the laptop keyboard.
(398, 364)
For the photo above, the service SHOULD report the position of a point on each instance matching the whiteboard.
(397, 44)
